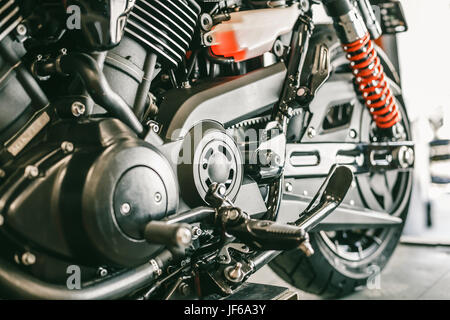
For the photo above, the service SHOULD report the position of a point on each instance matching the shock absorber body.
(364, 62)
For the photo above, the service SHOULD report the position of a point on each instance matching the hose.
(98, 88)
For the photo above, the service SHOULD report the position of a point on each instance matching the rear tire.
(326, 273)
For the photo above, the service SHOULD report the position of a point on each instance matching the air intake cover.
(166, 27)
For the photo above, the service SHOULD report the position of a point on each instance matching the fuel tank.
(249, 34)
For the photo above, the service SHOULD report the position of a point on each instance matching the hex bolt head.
(78, 109)
(31, 172)
(406, 156)
(102, 272)
(67, 147)
(28, 259)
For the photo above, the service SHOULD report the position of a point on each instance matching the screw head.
(158, 197)
(28, 259)
(353, 134)
(125, 209)
(196, 232)
(222, 190)
(289, 187)
(155, 127)
(311, 132)
(31, 172)
(102, 272)
(67, 147)
(21, 30)
(78, 109)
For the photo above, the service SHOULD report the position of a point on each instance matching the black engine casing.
(73, 208)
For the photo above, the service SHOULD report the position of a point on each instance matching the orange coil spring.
(372, 82)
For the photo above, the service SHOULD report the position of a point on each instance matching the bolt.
(102, 272)
(222, 190)
(186, 85)
(301, 92)
(28, 259)
(233, 214)
(311, 132)
(67, 147)
(222, 258)
(31, 172)
(289, 187)
(277, 160)
(278, 48)
(78, 109)
(406, 157)
(158, 197)
(155, 127)
(2, 220)
(304, 5)
(125, 209)
(307, 248)
(353, 134)
(21, 30)
(184, 289)
(235, 273)
(305, 193)
(196, 232)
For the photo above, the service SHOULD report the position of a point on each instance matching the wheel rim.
(383, 192)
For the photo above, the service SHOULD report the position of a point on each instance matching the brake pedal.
(269, 235)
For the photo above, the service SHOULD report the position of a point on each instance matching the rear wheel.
(347, 259)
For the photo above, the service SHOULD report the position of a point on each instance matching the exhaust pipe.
(18, 284)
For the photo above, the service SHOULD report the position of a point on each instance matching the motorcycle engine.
(80, 190)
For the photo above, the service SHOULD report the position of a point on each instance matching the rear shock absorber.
(365, 63)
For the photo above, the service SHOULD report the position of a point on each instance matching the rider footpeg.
(265, 235)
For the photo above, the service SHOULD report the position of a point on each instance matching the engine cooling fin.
(165, 27)
(10, 17)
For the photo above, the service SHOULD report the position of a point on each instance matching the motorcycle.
(169, 149)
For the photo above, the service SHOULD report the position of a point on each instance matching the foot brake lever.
(269, 235)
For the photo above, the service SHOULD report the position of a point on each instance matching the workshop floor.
(415, 272)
